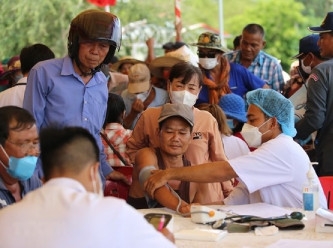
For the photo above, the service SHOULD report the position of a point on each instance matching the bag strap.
(114, 149)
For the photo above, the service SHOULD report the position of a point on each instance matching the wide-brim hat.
(211, 41)
(183, 53)
(125, 60)
(13, 65)
(233, 106)
(308, 44)
(326, 26)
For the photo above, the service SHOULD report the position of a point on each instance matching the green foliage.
(283, 22)
(38, 21)
(47, 21)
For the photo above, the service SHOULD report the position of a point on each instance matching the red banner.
(103, 3)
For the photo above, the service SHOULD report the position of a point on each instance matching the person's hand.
(150, 42)
(169, 235)
(137, 106)
(185, 209)
(178, 28)
(117, 176)
(227, 188)
(157, 179)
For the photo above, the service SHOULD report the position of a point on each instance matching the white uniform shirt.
(62, 214)
(14, 95)
(234, 146)
(275, 173)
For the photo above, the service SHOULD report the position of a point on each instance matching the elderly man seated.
(274, 173)
(18, 150)
(70, 210)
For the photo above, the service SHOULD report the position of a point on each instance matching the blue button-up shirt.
(55, 93)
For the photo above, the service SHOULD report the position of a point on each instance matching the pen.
(161, 223)
(328, 224)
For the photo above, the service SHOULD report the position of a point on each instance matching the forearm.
(166, 198)
(129, 119)
(219, 171)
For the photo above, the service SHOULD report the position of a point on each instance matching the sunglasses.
(208, 55)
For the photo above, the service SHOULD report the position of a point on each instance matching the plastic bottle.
(310, 191)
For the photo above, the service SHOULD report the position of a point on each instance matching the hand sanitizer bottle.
(310, 191)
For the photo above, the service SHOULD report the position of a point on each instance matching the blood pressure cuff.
(143, 176)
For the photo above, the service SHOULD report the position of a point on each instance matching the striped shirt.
(118, 137)
(6, 197)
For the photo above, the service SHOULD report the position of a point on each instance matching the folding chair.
(327, 184)
(118, 188)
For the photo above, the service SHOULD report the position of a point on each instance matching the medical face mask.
(20, 168)
(17, 77)
(230, 123)
(208, 63)
(252, 135)
(143, 96)
(98, 189)
(305, 68)
(183, 97)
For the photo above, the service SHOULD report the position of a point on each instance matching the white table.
(244, 240)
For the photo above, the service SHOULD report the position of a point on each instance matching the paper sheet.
(292, 243)
(200, 234)
(257, 209)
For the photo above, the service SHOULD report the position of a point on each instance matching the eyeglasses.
(208, 55)
(25, 145)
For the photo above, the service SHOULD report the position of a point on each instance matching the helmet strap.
(83, 73)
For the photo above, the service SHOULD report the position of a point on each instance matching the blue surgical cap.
(274, 104)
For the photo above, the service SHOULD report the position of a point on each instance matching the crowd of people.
(219, 126)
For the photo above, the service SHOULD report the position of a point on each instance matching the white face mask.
(252, 135)
(183, 97)
(208, 63)
(98, 189)
(306, 69)
(143, 96)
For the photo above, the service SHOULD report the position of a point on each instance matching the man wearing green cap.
(274, 173)
(219, 76)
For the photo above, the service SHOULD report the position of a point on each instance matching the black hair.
(115, 109)
(66, 149)
(187, 71)
(254, 28)
(31, 55)
(14, 114)
(236, 41)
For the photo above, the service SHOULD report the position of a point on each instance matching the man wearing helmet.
(72, 91)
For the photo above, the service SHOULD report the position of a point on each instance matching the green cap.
(210, 40)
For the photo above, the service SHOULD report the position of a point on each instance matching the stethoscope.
(221, 224)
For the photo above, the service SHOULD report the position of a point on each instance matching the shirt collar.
(258, 60)
(68, 69)
(66, 182)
